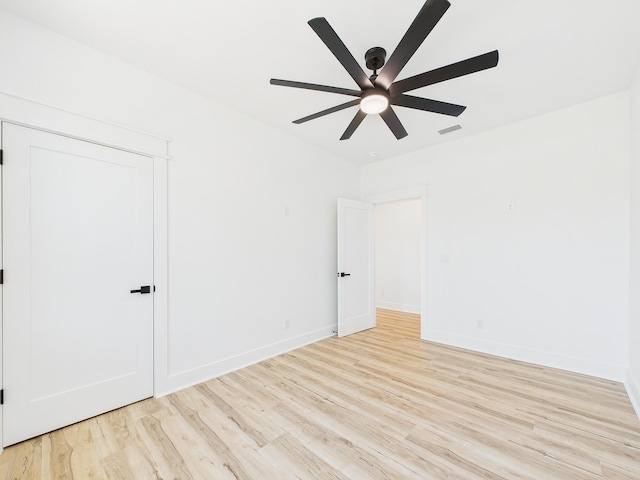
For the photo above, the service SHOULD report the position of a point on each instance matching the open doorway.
(398, 266)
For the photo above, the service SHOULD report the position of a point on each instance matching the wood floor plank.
(116, 466)
(380, 404)
(298, 461)
(245, 422)
(26, 460)
(60, 459)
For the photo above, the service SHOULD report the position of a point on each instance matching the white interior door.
(356, 288)
(77, 238)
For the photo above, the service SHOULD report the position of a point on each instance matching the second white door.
(77, 238)
(356, 288)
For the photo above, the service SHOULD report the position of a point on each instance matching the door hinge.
(2, 397)
(0, 156)
(1, 277)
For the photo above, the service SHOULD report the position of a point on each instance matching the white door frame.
(412, 193)
(28, 113)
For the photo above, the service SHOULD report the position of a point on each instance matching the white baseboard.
(179, 381)
(616, 373)
(633, 390)
(398, 306)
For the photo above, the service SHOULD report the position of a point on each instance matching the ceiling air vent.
(449, 130)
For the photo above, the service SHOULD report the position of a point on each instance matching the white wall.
(633, 379)
(528, 233)
(238, 267)
(397, 243)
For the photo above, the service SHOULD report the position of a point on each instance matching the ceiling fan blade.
(330, 38)
(458, 69)
(427, 18)
(393, 122)
(355, 123)
(313, 86)
(428, 105)
(352, 103)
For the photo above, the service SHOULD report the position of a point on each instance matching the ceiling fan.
(379, 92)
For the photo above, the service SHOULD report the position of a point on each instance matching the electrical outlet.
(480, 324)
(287, 323)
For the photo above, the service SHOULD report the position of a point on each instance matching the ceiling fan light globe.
(374, 103)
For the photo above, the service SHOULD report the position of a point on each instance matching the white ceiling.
(553, 54)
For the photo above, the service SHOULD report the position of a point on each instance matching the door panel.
(356, 300)
(78, 236)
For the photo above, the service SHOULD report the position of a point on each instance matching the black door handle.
(143, 289)
(342, 274)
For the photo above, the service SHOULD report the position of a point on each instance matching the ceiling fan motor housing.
(375, 57)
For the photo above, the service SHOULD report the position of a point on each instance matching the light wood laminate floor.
(380, 404)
